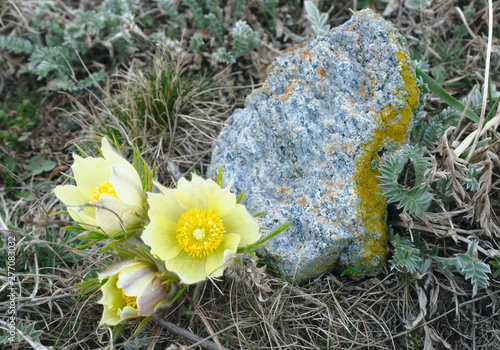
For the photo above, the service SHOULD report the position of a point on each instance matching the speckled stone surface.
(308, 143)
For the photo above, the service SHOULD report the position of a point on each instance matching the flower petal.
(128, 312)
(115, 268)
(164, 205)
(110, 154)
(111, 295)
(189, 269)
(111, 214)
(160, 235)
(241, 223)
(133, 278)
(220, 201)
(89, 173)
(76, 203)
(70, 194)
(87, 222)
(74, 199)
(112, 301)
(149, 297)
(216, 259)
(109, 317)
(127, 183)
(191, 194)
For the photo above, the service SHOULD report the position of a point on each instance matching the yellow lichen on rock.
(392, 129)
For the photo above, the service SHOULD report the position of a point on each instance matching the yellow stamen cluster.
(131, 301)
(105, 189)
(200, 232)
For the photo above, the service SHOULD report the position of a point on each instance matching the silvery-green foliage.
(47, 60)
(406, 255)
(212, 4)
(244, 38)
(472, 184)
(317, 19)
(62, 82)
(422, 65)
(428, 132)
(215, 23)
(16, 45)
(83, 29)
(416, 4)
(419, 114)
(28, 331)
(415, 200)
(222, 56)
(472, 268)
(117, 6)
(413, 257)
(136, 344)
(210, 15)
(197, 11)
(196, 42)
(268, 5)
(56, 44)
(434, 128)
(169, 6)
(239, 7)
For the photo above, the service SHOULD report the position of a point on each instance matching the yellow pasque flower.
(193, 226)
(133, 289)
(108, 192)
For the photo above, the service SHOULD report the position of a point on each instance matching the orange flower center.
(104, 189)
(199, 232)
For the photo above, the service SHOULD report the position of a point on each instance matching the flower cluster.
(182, 235)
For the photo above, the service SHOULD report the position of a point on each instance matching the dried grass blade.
(486, 77)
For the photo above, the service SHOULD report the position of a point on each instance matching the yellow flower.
(193, 226)
(133, 289)
(108, 192)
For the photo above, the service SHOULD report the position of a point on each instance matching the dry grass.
(171, 114)
(252, 308)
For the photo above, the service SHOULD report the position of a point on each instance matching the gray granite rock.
(308, 143)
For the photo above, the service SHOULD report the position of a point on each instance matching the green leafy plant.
(210, 16)
(244, 38)
(428, 132)
(415, 200)
(169, 6)
(496, 264)
(57, 45)
(38, 164)
(472, 268)
(27, 330)
(413, 257)
(318, 20)
(222, 56)
(10, 165)
(416, 4)
(196, 42)
(18, 115)
(446, 179)
(406, 255)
